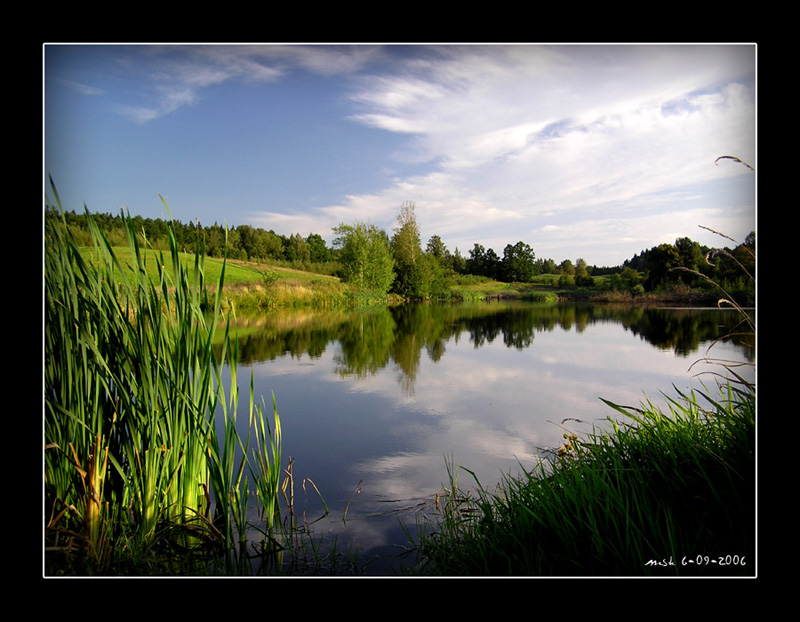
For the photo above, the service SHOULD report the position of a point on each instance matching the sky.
(595, 152)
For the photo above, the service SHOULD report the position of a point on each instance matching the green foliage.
(406, 244)
(437, 249)
(483, 262)
(258, 243)
(519, 263)
(660, 261)
(295, 248)
(365, 256)
(318, 251)
(657, 493)
(690, 254)
(132, 396)
(459, 263)
(688, 263)
(684, 263)
(243, 242)
(413, 269)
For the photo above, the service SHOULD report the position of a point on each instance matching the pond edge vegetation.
(660, 494)
(143, 463)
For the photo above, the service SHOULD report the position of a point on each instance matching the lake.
(374, 403)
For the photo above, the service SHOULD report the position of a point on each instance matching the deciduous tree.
(519, 263)
(365, 256)
(412, 272)
(319, 252)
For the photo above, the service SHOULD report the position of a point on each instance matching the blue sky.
(582, 151)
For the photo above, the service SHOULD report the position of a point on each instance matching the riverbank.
(256, 286)
(292, 292)
(264, 287)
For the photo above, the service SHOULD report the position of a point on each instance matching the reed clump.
(145, 469)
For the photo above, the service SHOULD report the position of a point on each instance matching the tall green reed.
(266, 465)
(134, 397)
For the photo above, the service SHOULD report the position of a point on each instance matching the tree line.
(369, 258)
(244, 242)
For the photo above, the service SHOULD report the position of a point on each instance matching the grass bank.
(654, 494)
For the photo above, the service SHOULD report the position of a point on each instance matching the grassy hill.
(236, 272)
(253, 286)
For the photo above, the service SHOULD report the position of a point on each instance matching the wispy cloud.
(528, 132)
(83, 89)
(522, 136)
(175, 76)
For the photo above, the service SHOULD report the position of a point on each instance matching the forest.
(371, 259)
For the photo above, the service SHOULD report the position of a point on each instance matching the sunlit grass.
(663, 493)
(143, 461)
(235, 272)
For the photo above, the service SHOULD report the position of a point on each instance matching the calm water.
(374, 403)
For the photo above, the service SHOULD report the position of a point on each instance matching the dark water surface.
(374, 403)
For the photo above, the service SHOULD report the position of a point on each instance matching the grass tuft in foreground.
(143, 461)
(661, 494)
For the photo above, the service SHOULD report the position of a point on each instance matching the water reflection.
(371, 339)
(375, 400)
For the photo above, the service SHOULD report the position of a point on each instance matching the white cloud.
(520, 132)
(83, 89)
(177, 74)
